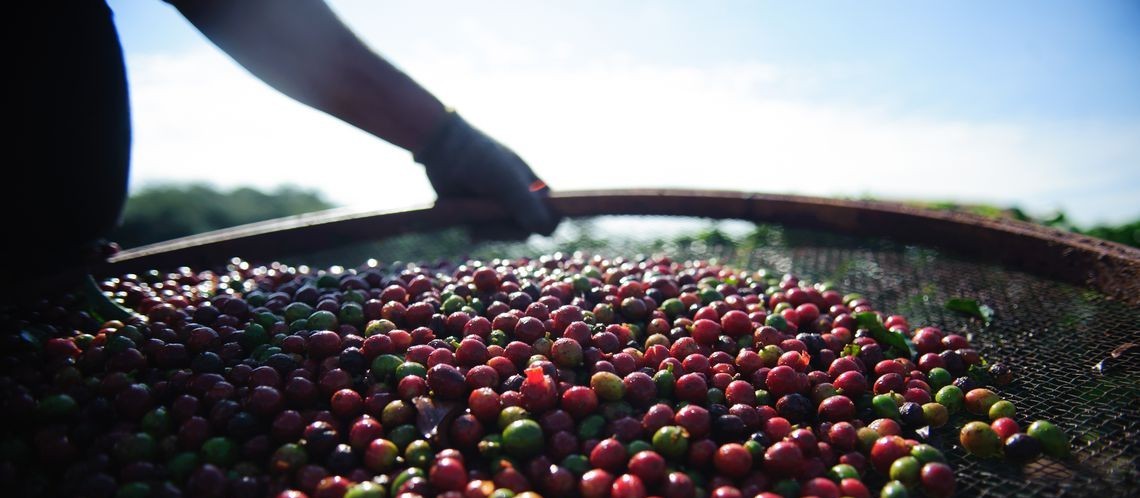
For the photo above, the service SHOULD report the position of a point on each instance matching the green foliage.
(896, 343)
(715, 237)
(1128, 233)
(166, 212)
(971, 307)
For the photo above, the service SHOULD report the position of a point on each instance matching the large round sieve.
(1063, 303)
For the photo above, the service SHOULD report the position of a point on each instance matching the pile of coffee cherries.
(564, 375)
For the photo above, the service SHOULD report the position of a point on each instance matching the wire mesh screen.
(1051, 334)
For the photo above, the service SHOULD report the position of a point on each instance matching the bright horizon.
(1026, 103)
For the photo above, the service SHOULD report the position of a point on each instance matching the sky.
(1028, 103)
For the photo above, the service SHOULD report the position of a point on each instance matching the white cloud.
(198, 116)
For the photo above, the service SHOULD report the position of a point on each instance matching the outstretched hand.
(463, 162)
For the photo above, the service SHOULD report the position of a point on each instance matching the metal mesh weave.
(1050, 333)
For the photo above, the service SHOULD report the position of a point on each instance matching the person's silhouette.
(72, 124)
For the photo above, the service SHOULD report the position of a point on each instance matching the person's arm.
(303, 50)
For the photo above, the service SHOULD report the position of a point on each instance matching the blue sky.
(1029, 103)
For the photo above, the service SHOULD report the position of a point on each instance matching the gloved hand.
(462, 162)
